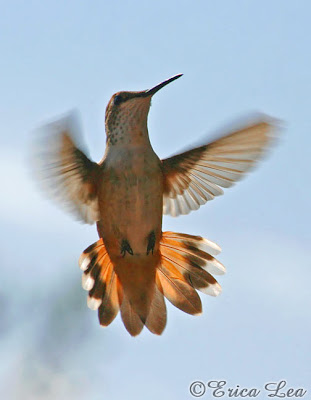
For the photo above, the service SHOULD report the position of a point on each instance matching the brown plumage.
(134, 265)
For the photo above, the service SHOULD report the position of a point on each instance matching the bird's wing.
(196, 176)
(63, 169)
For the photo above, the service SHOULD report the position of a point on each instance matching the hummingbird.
(134, 265)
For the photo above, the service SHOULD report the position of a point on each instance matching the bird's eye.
(117, 100)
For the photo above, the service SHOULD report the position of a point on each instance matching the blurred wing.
(65, 171)
(196, 176)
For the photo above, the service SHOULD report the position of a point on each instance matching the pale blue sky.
(238, 57)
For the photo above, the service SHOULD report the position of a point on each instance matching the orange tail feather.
(131, 320)
(185, 264)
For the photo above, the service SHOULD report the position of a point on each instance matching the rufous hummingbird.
(134, 265)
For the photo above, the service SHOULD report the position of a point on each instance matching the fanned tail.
(186, 263)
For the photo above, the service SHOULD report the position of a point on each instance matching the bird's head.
(127, 112)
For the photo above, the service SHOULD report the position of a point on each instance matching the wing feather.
(63, 169)
(196, 176)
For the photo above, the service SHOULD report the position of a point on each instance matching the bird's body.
(134, 265)
(130, 197)
(130, 202)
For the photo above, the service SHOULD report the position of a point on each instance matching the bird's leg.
(125, 247)
(151, 242)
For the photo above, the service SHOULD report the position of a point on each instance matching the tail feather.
(191, 257)
(101, 281)
(156, 319)
(191, 267)
(200, 257)
(90, 254)
(131, 320)
(177, 290)
(185, 264)
(191, 242)
(110, 305)
(98, 273)
(137, 277)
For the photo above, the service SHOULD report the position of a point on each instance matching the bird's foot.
(126, 248)
(151, 242)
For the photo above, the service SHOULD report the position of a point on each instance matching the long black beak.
(151, 92)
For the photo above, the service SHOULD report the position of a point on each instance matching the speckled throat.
(127, 123)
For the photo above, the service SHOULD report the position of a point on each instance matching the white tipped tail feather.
(186, 264)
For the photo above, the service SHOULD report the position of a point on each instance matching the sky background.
(238, 57)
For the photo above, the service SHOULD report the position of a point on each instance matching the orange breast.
(131, 200)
